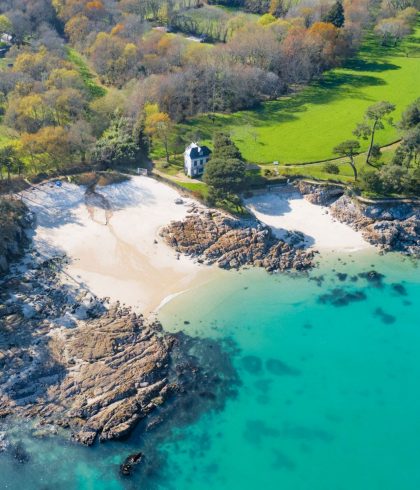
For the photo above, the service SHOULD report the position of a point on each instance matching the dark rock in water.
(252, 364)
(318, 279)
(307, 326)
(281, 461)
(127, 467)
(279, 368)
(385, 317)
(341, 297)
(19, 453)
(399, 288)
(374, 278)
(342, 276)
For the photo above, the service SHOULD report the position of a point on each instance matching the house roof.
(196, 151)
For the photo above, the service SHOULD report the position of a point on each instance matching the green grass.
(7, 135)
(91, 82)
(316, 170)
(306, 126)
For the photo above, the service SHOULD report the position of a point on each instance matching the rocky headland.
(72, 362)
(213, 237)
(389, 225)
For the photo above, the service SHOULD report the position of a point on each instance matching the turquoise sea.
(329, 393)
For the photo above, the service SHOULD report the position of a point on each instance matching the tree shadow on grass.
(359, 64)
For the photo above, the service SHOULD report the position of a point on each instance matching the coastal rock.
(215, 238)
(98, 376)
(15, 221)
(388, 225)
(320, 194)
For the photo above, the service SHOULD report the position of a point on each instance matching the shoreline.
(287, 210)
(113, 243)
(112, 237)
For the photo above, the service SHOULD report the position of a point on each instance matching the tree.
(335, 15)
(392, 30)
(373, 121)
(47, 148)
(349, 149)
(159, 125)
(10, 160)
(116, 146)
(224, 147)
(411, 116)
(5, 25)
(225, 177)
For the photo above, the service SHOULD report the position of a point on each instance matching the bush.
(331, 168)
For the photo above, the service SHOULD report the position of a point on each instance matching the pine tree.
(336, 14)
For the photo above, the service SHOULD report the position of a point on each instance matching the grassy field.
(91, 81)
(306, 126)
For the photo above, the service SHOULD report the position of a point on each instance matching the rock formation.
(216, 238)
(390, 226)
(69, 362)
(15, 220)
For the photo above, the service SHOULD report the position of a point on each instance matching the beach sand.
(284, 211)
(114, 252)
(113, 244)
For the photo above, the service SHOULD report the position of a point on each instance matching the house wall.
(194, 167)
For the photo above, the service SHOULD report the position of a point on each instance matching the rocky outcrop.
(320, 194)
(215, 238)
(389, 226)
(73, 361)
(15, 219)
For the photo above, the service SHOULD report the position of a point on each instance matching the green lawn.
(316, 170)
(306, 126)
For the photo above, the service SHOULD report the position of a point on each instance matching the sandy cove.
(287, 210)
(115, 250)
(113, 243)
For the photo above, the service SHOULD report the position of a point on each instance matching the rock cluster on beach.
(73, 361)
(216, 238)
(389, 226)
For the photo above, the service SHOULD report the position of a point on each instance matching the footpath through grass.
(306, 126)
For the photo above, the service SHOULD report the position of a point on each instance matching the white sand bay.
(284, 211)
(115, 254)
(119, 259)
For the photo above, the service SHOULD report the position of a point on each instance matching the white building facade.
(195, 159)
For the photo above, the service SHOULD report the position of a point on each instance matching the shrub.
(331, 168)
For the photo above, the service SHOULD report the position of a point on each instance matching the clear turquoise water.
(329, 400)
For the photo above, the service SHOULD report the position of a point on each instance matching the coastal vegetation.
(96, 85)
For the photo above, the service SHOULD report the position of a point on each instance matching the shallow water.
(329, 397)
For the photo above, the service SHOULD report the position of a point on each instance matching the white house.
(195, 158)
(6, 38)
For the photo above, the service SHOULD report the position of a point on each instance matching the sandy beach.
(115, 249)
(116, 252)
(284, 211)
